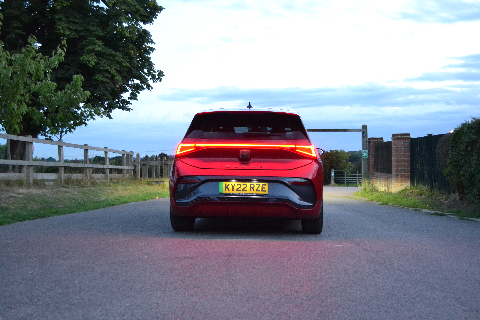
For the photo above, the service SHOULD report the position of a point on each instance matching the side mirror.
(320, 151)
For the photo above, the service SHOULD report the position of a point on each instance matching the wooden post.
(124, 163)
(154, 166)
(364, 149)
(107, 163)
(145, 172)
(29, 168)
(85, 161)
(138, 165)
(61, 170)
(159, 167)
(130, 163)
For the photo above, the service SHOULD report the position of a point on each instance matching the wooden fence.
(27, 166)
(153, 168)
(428, 161)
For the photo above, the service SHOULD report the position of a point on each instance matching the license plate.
(243, 187)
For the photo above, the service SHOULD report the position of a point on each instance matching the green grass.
(422, 198)
(28, 203)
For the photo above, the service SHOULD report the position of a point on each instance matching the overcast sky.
(396, 66)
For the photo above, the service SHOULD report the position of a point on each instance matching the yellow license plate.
(243, 187)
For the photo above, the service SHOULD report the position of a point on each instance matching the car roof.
(253, 109)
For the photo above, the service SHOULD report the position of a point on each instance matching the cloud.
(365, 95)
(457, 84)
(442, 11)
(465, 69)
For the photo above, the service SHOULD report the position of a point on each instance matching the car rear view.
(246, 163)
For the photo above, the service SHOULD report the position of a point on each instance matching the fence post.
(130, 163)
(154, 166)
(365, 172)
(332, 177)
(138, 165)
(166, 167)
(345, 173)
(61, 160)
(145, 172)
(124, 163)
(107, 163)
(29, 168)
(85, 161)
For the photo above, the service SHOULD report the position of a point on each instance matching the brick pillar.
(400, 161)
(371, 154)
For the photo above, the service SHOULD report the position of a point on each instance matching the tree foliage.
(107, 45)
(334, 159)
(3, 151)
(463, 167)
(30, 100)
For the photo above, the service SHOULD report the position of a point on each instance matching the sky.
(395, 66)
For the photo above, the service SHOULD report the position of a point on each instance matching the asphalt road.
(125, 262)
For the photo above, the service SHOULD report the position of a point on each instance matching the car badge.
(244, 154)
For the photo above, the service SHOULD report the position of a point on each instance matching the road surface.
(125, 262)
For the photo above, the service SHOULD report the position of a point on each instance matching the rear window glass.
(227, 125)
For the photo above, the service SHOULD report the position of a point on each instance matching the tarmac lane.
(125, 262)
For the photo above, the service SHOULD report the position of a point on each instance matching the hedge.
(464, 159)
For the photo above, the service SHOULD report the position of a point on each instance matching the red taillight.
(185, 148)
(308, 150)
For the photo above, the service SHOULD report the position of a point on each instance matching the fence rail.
(27, 166)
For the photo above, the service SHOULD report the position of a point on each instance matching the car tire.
(313, 226)
(180, 223)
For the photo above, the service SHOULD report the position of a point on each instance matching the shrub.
(463, 167)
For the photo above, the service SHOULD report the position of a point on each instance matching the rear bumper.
(295, 198)
(204, 209)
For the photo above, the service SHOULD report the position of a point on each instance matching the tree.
(107, 46)
(354, 161)
(30, 102)
(3, 151)
(334, 159)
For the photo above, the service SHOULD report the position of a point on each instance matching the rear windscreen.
(226, 125)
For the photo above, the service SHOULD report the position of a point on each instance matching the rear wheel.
(313, 226)
(180, 223)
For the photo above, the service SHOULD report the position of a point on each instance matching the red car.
(246, 163)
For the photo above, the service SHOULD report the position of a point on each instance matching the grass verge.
(438, 203)
(28, 203)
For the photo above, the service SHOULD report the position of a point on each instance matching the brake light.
(185, 148)
(308, 150)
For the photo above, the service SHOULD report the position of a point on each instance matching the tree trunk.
(17, 152)
(17, 148)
